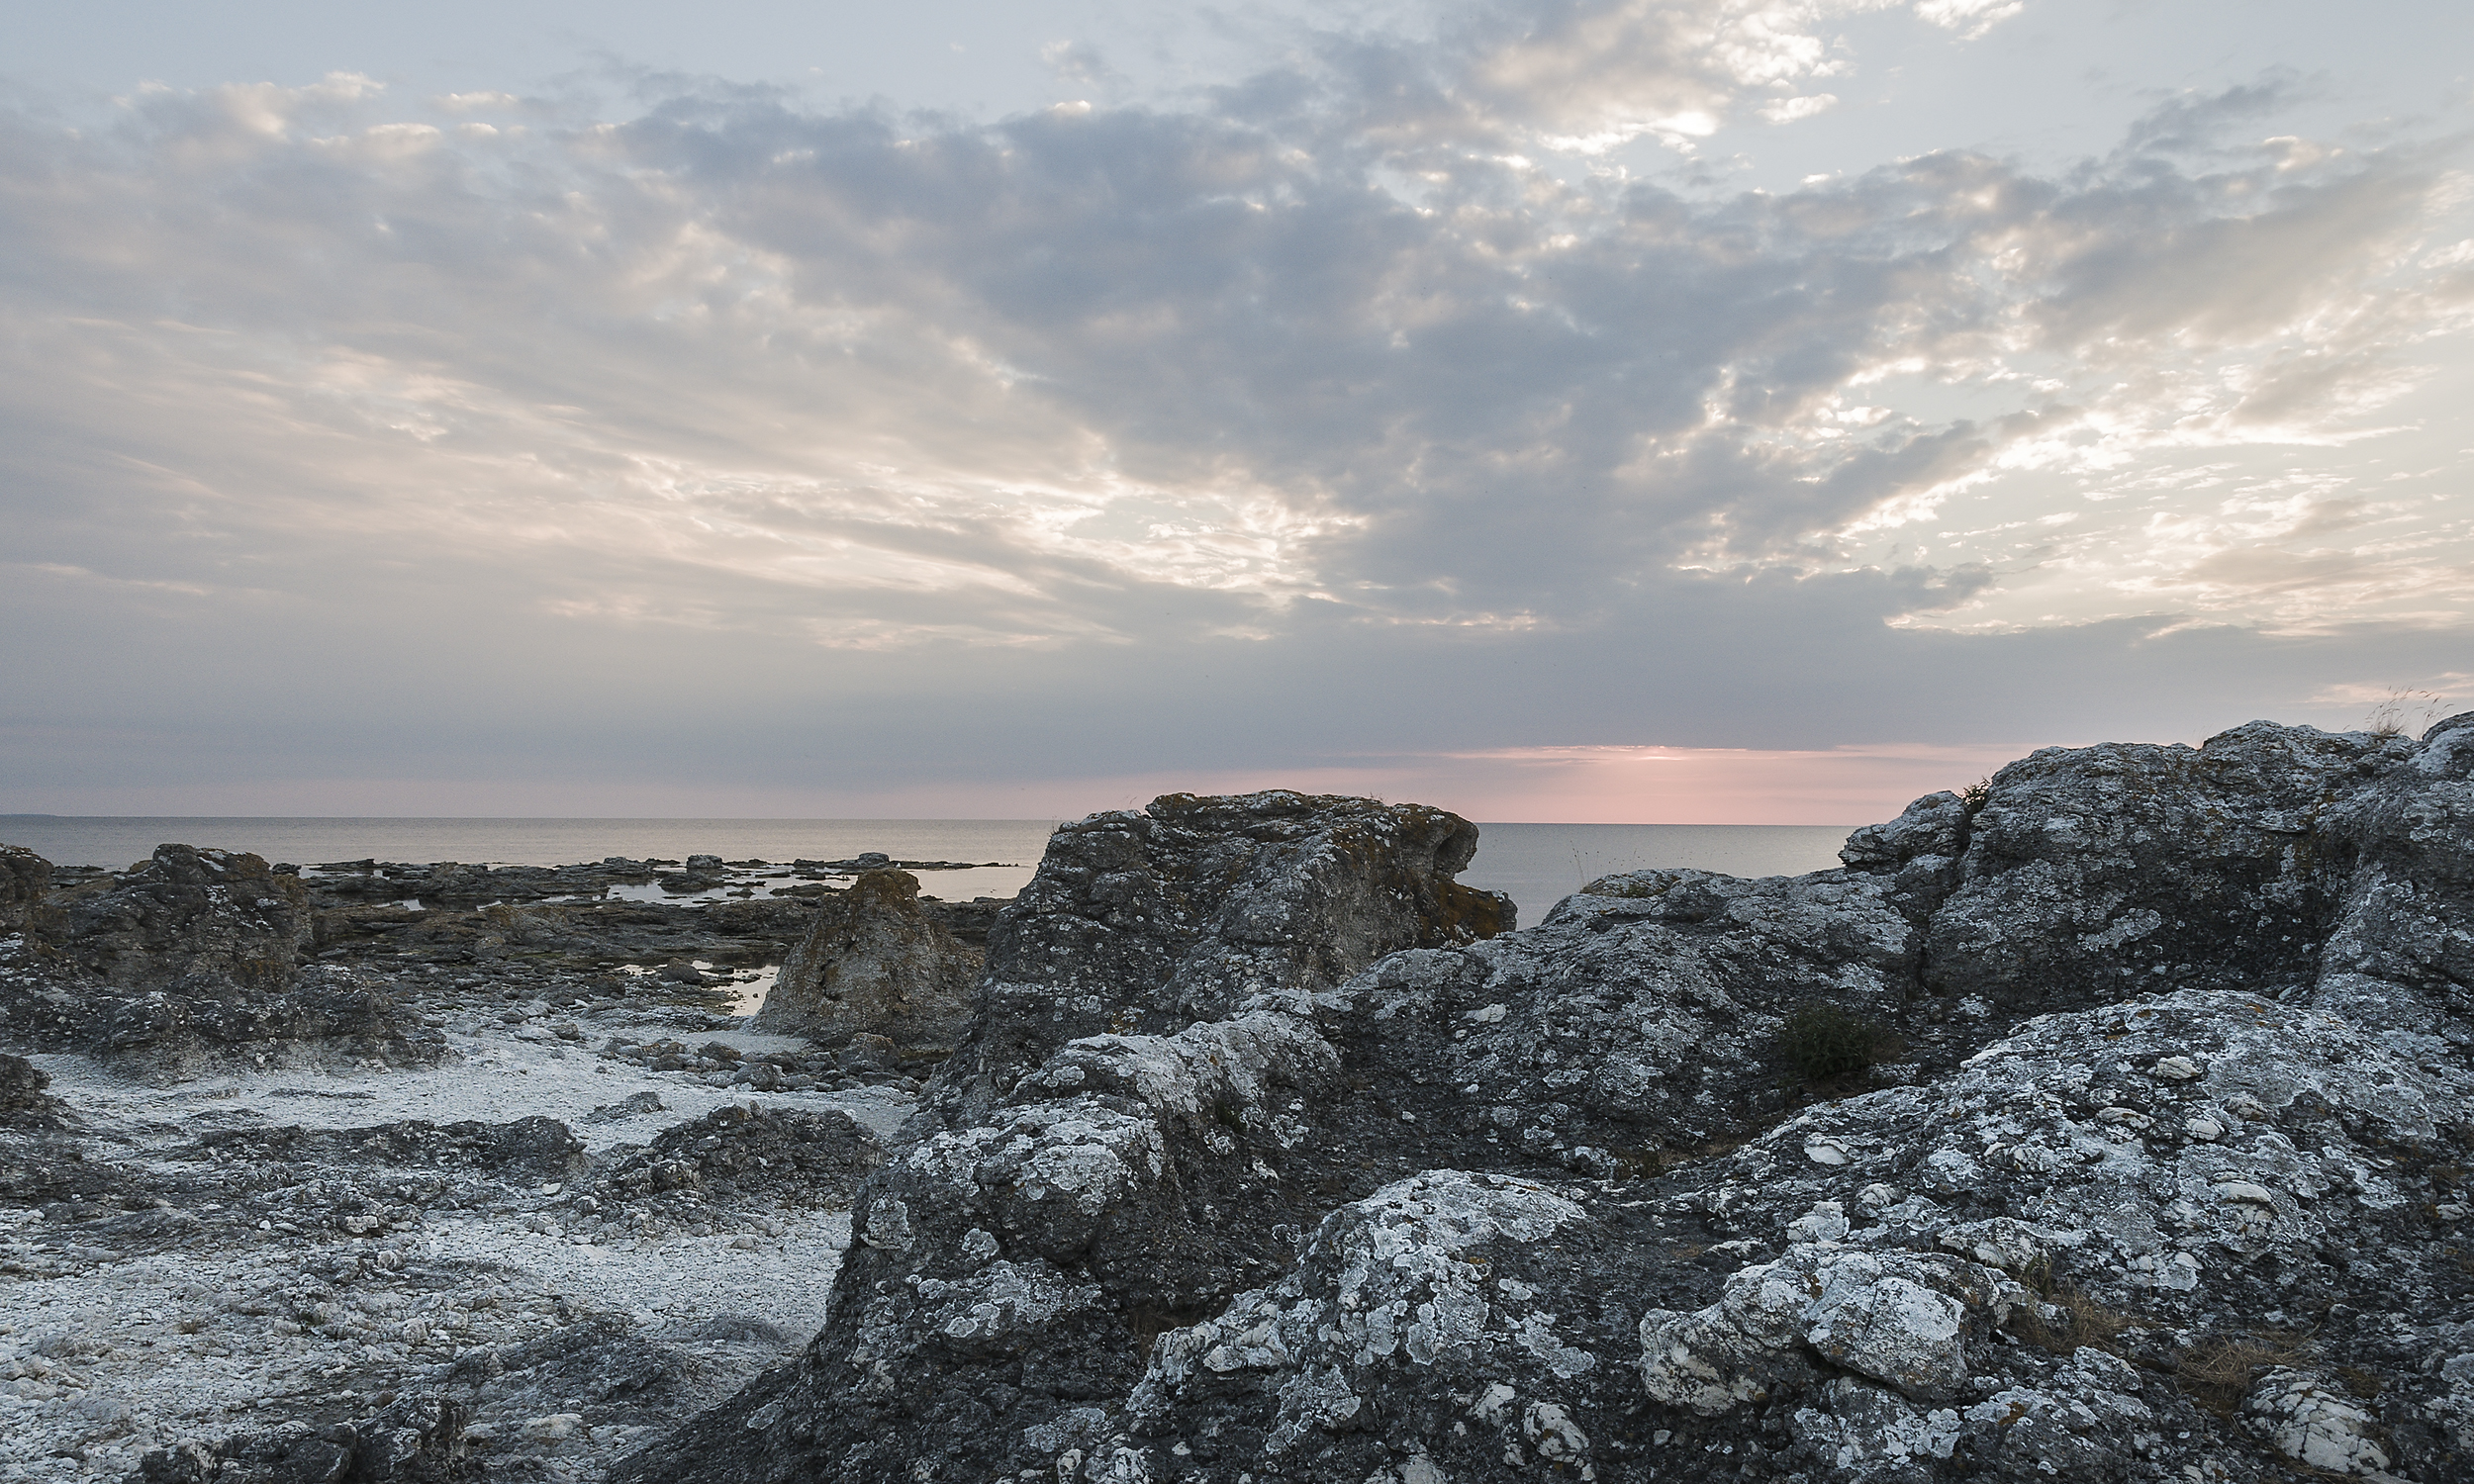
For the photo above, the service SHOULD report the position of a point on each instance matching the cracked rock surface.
(1268, 1157)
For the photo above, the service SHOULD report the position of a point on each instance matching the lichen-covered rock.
(26, 909)
(788, 1156)
(1903, 1320)
(415, 1439)
(1639, 1022)
(2097, 873)
(193, 921)
(2399, 954)
(2160, 1173)
(190, 960)
(2313, 1420)
(1415, 1334)
(21, 1096)
(875, 963)
(1131, 1152)
(1149, 920)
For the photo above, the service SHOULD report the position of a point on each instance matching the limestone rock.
(24, 886)
(190, 959)
(875, 963)
(791, 1156)
(2094, 874)
(1247, 1169)
(415, 1439)
(193, 921)
(1122, 1141)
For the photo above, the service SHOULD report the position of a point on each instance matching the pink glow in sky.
(1841, 785)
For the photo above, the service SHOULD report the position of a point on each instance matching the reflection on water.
(751, 991)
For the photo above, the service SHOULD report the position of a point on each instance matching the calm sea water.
(1536, 863)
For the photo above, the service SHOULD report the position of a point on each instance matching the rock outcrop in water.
(1264, 1159)
(875, 963)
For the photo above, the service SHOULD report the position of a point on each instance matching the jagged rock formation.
(24, 884)
(415, 1439)
(1123, 1142)
(873, 963)
(190, 921)
(189, 958)
(1257, 1163)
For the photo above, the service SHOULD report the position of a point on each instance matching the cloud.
(1317, 379)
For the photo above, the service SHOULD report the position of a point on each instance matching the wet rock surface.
(2111, 1122)
(297, 1252)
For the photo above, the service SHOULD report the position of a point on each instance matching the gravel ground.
(231, 1292)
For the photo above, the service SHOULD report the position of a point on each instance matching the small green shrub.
(1976, 796)
(1825, 1042)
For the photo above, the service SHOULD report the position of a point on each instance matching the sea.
(1536, 865)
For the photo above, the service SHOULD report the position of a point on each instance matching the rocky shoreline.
(2111, 1122)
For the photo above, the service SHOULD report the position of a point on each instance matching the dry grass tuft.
(2218, 1371)
(2076, 1321)
(2396, 717)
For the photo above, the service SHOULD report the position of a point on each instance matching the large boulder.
(1124, 1141)
(25, 910)
(193, 921)
(190, 959)
(875, 963)
(1148, 921)
(2098, 874)
(2400, 952)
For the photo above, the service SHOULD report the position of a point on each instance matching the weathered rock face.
(414, 1441)
(191, 959)
(1145, 922)
(24, 884)
(2400, 954)
(2093, 874)
(789, 1156)
(22, 1095)
(42, 1155)
(1638, 1023)
(875, 963)
(1198, 1204)
(1124, 1140)
(193, 921)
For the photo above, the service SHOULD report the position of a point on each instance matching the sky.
(1707, 411)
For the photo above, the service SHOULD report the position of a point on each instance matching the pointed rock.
(875, 963)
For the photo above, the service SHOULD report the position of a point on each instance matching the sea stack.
(874, 964)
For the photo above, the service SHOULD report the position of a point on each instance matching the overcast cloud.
(1423, 410)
